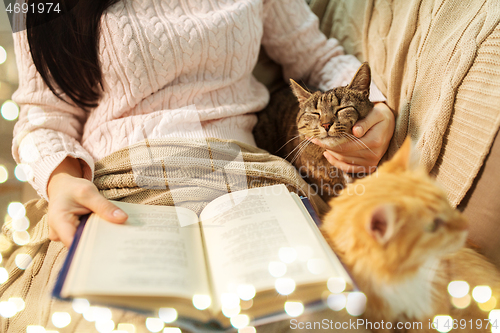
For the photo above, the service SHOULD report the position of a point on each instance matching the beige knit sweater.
(438, 63)
(160, 56)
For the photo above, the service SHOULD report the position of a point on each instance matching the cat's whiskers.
(357, 140)
(297, 155)
(301, 150)
(295, 137)
(299, 146)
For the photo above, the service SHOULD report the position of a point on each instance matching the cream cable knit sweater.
(159, 56)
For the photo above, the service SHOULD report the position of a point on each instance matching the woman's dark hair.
(64, 48)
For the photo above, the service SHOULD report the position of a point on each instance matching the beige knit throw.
(438, 63)
(189, 168)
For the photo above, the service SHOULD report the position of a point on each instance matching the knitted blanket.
(438, 63)
(160, 172)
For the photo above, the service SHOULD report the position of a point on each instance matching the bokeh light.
(230, 300)
(276, 268)
(246, 291)
(36, 116)
(16, 210)
(356, 303)
(80, 305)
(172, 330)
(168, 315)
(231, 312)
(442, 323)
(105, 326)
(316, 266)
(3, 55)
(129, 328)
(61, 319)
(4, 275)
(284, 286)
(21, 237)
(461, 303)
(247, 329)
(21, 224)
(336, 285)
(488, 305)
(4, 174)
(7, 309)
(9, 110)
(287, 254)
(336, 302)
(23, 260)
(481, 294)
(154, 324)
(294, 309)
(23, 172)
(35, 329)
(458, 289)
(19, 302)
(240, 321)
(201, 302)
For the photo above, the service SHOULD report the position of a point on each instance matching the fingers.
(349, 167)
(377, 115)
(90, 198)
(72, 197)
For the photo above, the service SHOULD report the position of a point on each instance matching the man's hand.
(373, 135)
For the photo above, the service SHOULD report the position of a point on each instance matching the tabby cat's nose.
(327, 126)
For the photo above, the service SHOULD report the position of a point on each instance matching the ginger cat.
(403, 244)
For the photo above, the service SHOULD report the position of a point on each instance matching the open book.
(248, 252)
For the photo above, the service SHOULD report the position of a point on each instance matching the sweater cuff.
(44, 168)
(340, 70)
(42, 160)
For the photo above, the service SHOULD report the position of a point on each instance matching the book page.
(149, 255)
(252, 235)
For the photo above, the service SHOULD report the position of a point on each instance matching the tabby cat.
(403, 243)
(294, 115)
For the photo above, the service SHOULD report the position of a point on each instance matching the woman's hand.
(374, 133)
(71, 196)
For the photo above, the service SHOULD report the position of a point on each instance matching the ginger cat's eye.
(438, 222)
(316, 113)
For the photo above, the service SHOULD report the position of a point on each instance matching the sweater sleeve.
(48, 129)
(293, 39)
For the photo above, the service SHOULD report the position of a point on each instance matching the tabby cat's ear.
(362, 79)
(301, 94)
(406, 158)
(382, 223)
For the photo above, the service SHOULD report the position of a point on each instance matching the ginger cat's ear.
(382, 223)
(362, 79)
(299, 92)
(406, 158)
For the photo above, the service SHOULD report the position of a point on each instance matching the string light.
(481, 294)
(4, 174)
(154, 324)
(23, 172)
(294, 309)
(201, 302)
(284, 286)
(276, 268)
(3, 55)
(442, 323)
(458, 289)
(287, 254)
(240, 321)
(105, 326)
(61, 319)
(356, 303)
(9, 110)
(168, 315)
(336, 302)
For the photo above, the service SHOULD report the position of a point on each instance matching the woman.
(113, 64)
